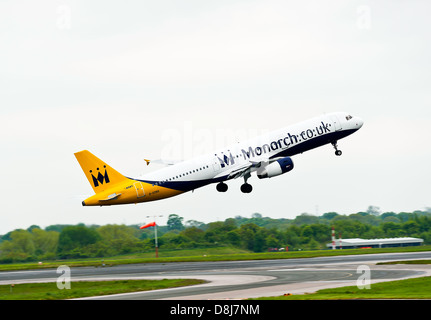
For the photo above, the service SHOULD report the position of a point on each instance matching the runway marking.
(293, 269)
(347, 274)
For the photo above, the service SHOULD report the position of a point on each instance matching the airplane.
(268, 155)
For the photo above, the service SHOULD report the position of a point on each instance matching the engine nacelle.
(276, 168)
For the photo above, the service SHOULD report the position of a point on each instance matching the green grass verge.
(417, 288)
(408, 262)
(49, 291)
(201, 255)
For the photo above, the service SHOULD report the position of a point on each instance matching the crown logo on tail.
(101, 178)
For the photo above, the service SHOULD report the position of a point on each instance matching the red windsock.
(151, 224)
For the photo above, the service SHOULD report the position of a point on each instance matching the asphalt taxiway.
(241, 279)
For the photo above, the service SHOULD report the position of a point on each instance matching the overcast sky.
(149, 79)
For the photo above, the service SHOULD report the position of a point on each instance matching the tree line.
(256, 234)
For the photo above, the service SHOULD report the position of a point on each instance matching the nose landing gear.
(337, 152)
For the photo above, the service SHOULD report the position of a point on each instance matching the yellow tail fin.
(100, 175)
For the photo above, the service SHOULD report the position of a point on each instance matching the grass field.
(417, 288)
(49, 291)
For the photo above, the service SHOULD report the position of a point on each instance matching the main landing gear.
(245, 187)
(337, 152)
(222, 187)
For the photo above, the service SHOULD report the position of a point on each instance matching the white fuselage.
(254, 154)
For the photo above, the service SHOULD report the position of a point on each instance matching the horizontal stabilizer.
(162, 161)
(111, 197)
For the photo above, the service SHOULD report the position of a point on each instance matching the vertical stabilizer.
(100, 175)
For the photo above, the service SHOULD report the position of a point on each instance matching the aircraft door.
(216, 164)
(139, 189)
(336, 122)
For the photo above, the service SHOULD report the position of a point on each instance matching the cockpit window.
(348, 117)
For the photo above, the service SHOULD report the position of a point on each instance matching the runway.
(240, 279)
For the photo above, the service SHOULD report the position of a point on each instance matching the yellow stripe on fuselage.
(130, 191)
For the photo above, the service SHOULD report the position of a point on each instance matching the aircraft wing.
(240, 172)
(245, 169)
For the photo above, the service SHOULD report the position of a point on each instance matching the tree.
(116, 232)
(30, 229)
(172, 240)
(307, 233)
(321, 232)
(272, 242)
(175, 222)
(329, 215)
(305, 218)
(45, 242)
(313, 244)
(194, 234)
(404, 216)
(118, 239)
(234, 238)
(411, 228)
(247, 233)
(391, 229)
(373, 210)
(259, 244)
(194, 223)
(391, 219)
(74, 238)
(256, 216)
(23, 241)
(292, 237)
(20, 247)
(388, 214)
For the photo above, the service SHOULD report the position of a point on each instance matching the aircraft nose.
(359, 122)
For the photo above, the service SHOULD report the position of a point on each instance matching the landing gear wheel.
(246, 188)
(222, 187)
(337, 152)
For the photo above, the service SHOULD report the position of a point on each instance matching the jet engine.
(276, 168)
